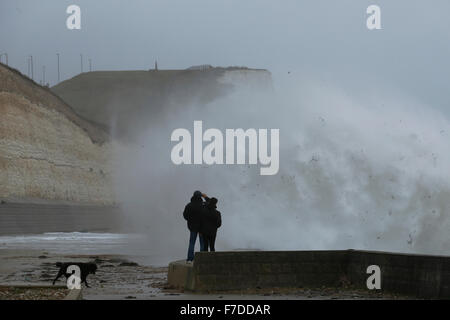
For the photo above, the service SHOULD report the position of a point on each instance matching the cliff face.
(46, 150)
(124, 101)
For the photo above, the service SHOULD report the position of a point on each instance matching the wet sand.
(14, 293)
(116, 277)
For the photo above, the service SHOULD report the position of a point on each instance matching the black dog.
(85, 270)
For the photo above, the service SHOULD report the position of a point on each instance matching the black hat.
(197, 194)
(212, 203)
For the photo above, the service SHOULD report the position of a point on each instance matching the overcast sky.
(325, 39)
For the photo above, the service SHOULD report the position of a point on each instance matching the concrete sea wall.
(419, 276)
(37, 218)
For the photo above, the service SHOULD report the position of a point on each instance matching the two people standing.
(203, 219)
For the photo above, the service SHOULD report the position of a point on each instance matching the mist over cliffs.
(59, 144)
(127, 102)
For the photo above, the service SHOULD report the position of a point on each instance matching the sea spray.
(354, 173)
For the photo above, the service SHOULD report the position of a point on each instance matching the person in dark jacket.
(193, 213)
(211, 221)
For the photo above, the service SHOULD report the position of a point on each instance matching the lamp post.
(31, 67)
(58, 67)
(6, 57)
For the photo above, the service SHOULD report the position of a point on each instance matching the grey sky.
(325, 39)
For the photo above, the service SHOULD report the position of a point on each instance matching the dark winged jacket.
(193, 213)
(211, 221)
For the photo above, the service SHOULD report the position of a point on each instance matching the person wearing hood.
(193, 213)
(211, 221)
